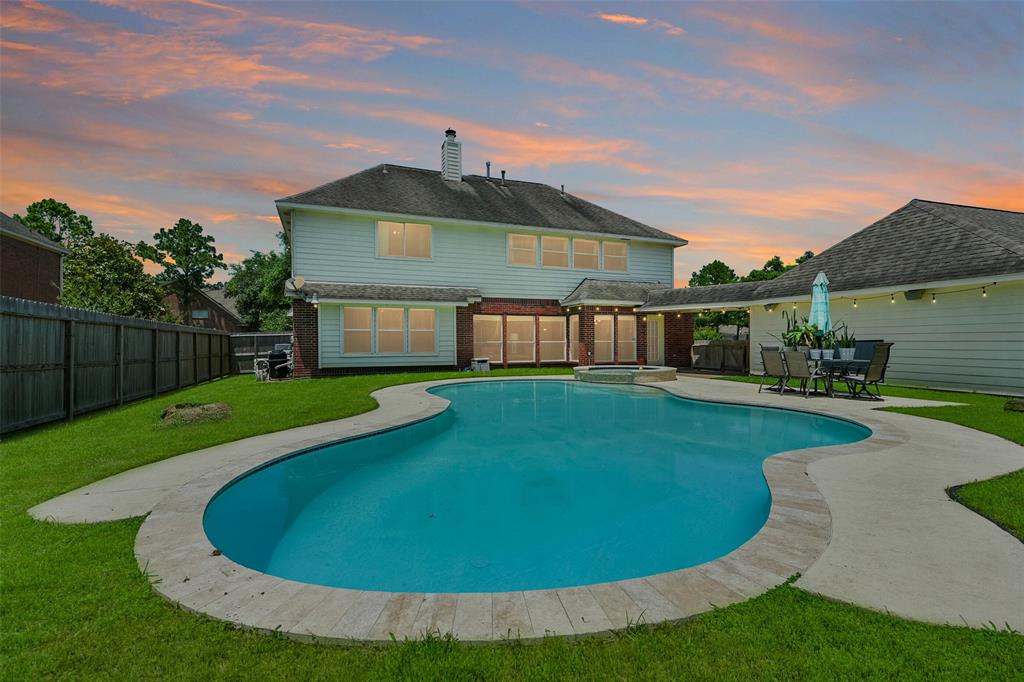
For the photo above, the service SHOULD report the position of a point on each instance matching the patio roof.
(403, 293)
(593, 291)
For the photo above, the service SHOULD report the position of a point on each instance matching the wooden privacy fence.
(60, 362)
(246, 347)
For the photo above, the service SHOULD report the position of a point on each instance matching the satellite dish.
(299, 282)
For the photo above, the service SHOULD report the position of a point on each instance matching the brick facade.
(29, 271)
(678, 339)
(305, 349)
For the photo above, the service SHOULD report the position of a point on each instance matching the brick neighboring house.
(31, 266)
(210, 310)
(397, 267)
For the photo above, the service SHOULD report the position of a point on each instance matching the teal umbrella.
(819, 304)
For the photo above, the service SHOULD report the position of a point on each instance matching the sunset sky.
(750, 130)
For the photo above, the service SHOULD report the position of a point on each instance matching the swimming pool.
(519, 485)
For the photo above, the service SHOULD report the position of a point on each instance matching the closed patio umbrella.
(819, 304)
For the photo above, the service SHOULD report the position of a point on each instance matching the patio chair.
(774, 368)
(860, 383)
(798, 367)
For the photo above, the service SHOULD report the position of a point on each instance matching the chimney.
(451, 157)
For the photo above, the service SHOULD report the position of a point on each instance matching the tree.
(102, 273)
(188, 258)
(257, 285)
(715, 272)
(57, 221)
(808, 255)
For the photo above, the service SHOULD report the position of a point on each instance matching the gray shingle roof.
(220, 297)
(421, 192)
(389, 292)
(611, 291)
(922, 242)
(721, 293)
(12, 227)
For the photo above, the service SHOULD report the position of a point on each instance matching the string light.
(984, 294)
(854, 303)
(933, 298)
(892, 298)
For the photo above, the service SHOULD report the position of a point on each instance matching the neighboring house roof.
(387, 292)
(12, 228)
(420, 192)
(220, 297)
(611, 291)
(922, 243)
(739, 292)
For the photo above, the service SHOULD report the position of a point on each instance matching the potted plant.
(829, 345)
(791, 337)
(846, 342)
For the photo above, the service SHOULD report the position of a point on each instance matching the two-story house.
(398, 267)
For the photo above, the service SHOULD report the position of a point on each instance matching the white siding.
(341, 248)
(962, 341)
(330, 342)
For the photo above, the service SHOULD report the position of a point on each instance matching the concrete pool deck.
(868, 523)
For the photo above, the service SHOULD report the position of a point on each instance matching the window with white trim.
(574, 338)
(522, 250)
(390, 330)
(358, 330)
(604, 339)
(520, 334)
(552, 339)
(487, 337)
(554, 252)
(403, 240)
(616, 256)
(625, 337)
(584, 254)
(422, 330)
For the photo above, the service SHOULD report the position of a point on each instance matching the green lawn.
(1000, 499)
(74, 604)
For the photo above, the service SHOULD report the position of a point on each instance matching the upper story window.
(200, 314)
(403, 240)
(616, 256)
(584, 254)
(522, 249)
(554, 252)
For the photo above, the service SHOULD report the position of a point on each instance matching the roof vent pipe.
(451, 157)
(488, 169)
(563, 190)
(503, 177)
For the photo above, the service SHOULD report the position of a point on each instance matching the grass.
(999, 499)
(73, 603)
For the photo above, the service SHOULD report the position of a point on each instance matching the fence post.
(69, 369)
(156, 361)
(177, 359)
(195, 358)
(120, 364)
(209, 356)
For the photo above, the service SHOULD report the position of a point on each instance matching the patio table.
(835, 368)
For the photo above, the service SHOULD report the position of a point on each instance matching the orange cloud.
(641, 22)
(511, 148)
(824, 83)
(719, 88)
(564, 72)
(191, 57)
(785, 33)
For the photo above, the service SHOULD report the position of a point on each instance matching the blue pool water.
(518, 485)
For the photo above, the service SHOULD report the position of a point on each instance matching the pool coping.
(184, 567)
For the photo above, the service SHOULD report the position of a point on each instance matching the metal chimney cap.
(449, 133)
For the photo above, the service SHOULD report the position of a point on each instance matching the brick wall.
(305, 352)
(29, 272)
(678, 339)
(500, 306)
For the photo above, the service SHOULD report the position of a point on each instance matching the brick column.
(678, 338)
(587, 336)
(464, 334)
(305, 331)
(641, 339)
